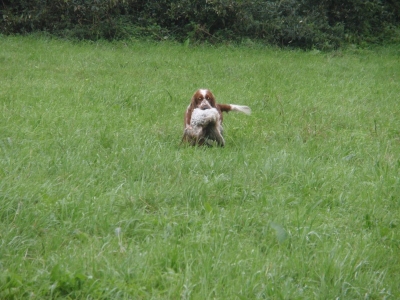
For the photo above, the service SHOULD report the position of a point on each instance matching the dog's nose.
(205, 105)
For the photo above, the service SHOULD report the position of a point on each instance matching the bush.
(299, 23)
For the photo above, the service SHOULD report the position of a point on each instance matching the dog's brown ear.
(188, 117)
(211, 98)
(192, 105)
(189, 110)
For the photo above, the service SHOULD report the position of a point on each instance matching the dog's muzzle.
(205, 105)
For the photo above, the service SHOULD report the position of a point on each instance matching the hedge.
(320, 24)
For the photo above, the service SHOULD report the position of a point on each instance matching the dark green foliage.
(299, 23)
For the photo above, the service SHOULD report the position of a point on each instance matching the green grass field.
(99, 201)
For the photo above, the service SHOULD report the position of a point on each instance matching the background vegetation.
(99, 201)
(318, 24)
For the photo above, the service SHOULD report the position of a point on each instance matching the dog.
(203, 119)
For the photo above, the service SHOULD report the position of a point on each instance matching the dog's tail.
(234, 107)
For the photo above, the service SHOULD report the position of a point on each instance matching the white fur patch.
(203, 92)
(203, 117)
(241, 108)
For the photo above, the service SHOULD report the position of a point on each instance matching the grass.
(99, 201)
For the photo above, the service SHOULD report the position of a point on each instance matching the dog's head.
(203, 99)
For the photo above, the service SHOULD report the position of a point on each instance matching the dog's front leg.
(193, 135)
(215, 134)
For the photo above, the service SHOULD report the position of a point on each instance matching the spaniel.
(203, 119)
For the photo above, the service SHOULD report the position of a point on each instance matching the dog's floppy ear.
(191, 107)
(211, 98)
(192, 104)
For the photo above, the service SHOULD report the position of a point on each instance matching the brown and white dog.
(203, 119)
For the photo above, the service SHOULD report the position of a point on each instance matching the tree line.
(322, 24)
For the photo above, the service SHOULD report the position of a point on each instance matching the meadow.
(98, 199)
